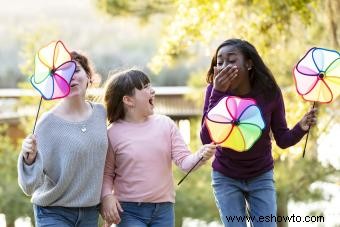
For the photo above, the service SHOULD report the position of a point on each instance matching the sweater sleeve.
(109, 172)
(30, 177)
(212, 97)
(284, 136)
(180, 153)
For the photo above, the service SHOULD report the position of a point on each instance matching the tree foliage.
(13, 202)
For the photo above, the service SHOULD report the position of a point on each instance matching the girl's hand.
(207, 151)
(29, 149)
(223, 78)
(110, 209)
(308, 120)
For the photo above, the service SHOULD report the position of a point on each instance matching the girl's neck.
(243, 90)
(73, 109)
(74, 104)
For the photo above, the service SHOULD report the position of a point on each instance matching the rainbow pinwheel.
(53, 71)
(317, 75)
(235, 123)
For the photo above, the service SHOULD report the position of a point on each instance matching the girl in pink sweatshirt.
(138, 185)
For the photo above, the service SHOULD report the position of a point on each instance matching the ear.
(249, 64)
(128, 101)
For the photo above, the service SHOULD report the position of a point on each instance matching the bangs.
(138, 79)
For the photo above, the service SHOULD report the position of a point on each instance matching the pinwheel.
(53, 72)
(234, 123)
(317, 77)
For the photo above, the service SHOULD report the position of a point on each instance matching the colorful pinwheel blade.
(320, 92)
(244, 123)
(323, 58)
(218, 131)
(61, 55)
(45, 89)
(235, 141)
(57, 85)
(332, 78)
(252, 115)
(304, 83)
(54, 54)
(62, 78)
(219, 112)
(41, 70)
(317, 75)
(250, 133)
(236, 105)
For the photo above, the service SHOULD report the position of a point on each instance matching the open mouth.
(151, 101)
(73, 85)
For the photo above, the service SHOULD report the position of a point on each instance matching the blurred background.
(173, 41)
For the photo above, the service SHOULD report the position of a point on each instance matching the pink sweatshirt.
(138, 164)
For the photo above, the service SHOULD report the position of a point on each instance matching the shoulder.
(45, 120)
(163, 121)
(161, 118)
(98, 107)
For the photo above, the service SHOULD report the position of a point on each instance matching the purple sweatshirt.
(257, 160)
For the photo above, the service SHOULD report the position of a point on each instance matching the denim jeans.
(147, 214)
(231, 196)
(66, 216)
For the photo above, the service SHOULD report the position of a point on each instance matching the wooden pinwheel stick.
(36, 118)
(189, 171)
(304, 149)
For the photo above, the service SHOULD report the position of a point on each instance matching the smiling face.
(230, 55)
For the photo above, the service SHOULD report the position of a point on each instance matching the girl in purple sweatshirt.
(240, 177)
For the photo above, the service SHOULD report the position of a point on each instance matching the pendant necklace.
(83, 128)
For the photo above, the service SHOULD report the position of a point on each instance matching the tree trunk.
(332, 8)
(282, 208)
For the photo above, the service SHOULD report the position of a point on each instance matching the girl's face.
(144, 100)
(79, 81)
(229, 55)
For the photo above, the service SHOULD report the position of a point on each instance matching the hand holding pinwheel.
(234, 123)
(207, 151)
(53, 72)
(309, 119)
(29, 149)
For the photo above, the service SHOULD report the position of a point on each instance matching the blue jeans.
(66, 216)
(232, 195)
(147, 214)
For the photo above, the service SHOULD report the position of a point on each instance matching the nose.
(152, 91)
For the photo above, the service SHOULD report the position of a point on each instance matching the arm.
(30, 166)
(110, 204)
(181, 155)
(284, 137)
(212, 97)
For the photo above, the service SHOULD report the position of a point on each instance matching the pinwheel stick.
(36, 118)
(304, 149)
(189, 171)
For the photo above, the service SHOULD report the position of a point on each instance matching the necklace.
(83, 128)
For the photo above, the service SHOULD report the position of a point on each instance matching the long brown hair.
(117, 86)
